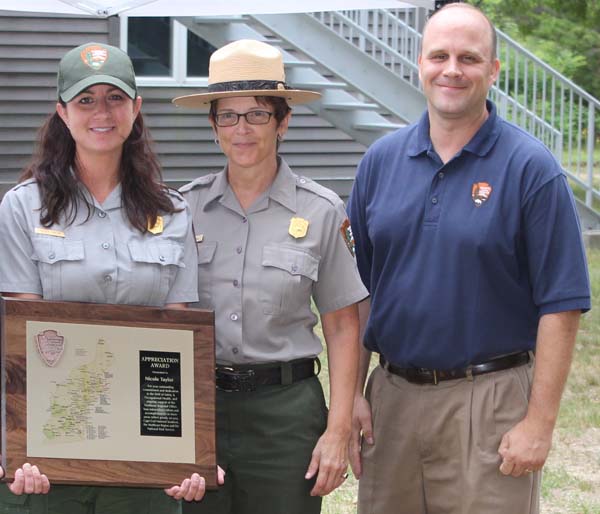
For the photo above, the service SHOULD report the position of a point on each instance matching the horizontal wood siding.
(30, 48)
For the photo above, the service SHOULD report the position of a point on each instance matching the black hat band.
(248, 85)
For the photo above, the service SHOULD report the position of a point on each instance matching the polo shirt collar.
(480, 144)
(485, 138)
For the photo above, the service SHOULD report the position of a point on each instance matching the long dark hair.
(143, 195)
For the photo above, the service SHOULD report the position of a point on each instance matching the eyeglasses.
(229, 119)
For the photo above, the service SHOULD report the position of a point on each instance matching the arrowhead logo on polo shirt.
(94, 56)
(480, 192)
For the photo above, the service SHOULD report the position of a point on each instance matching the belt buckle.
(238, 381)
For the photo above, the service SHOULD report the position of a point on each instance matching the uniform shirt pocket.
(206, 253)
(60, 265)
(288, 274)
(154, 267)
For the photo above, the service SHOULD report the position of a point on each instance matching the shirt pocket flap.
(293, 260)
(206, 251)
(51, 250)
(164, 252)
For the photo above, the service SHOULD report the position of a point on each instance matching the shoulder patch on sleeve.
(346, 231)
(319, 190)
(202, 181)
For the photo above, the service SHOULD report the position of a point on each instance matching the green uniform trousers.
(265, 440)
(64, 499)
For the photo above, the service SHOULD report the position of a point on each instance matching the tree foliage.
(564, 33)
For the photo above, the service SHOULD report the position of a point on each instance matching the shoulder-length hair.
(143, 195)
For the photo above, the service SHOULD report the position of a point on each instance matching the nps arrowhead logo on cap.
(94, 56)
(480, 192)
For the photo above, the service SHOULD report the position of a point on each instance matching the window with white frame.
(164, 52)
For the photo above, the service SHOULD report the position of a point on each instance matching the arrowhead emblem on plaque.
(50, 346)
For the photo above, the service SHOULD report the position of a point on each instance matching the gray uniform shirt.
(102, 259)
(258, 278)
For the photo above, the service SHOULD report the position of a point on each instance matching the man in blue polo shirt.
(469, 243)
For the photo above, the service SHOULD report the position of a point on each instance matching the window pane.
(198, 54)
(149, 46)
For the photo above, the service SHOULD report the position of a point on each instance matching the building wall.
(30, 48)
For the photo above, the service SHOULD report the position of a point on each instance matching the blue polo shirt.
(461, 259)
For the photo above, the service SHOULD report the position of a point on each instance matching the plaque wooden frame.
(14, 314)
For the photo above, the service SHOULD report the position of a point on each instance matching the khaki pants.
(436, 446)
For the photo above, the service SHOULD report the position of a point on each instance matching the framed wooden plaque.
(108, 394)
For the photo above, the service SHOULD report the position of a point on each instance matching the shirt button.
(235, 282)
(238, 249)
(235, 350)
(106, 246)
(434, 200)
(244, 219)
(161, 258)
(51, 255)
(441, 174)
(102, 214)
(302, 181)
(233, 317)
(107, 278)
(294, 268)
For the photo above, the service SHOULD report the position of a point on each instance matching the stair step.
(320, 85)
(377, 126)
(233, 18)
(350, 106)
(296, 64)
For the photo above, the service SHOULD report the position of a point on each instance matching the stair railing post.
(591, 139)
(363, 17)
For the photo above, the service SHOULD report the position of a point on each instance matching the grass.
(571, 479)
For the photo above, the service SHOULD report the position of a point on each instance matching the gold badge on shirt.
(157, 228)
(298, 227)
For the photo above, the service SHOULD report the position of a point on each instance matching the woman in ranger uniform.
(90, 221)
(269, 241)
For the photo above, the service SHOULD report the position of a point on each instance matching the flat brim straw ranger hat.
(246, 68)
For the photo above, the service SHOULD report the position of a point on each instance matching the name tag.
(49, 232)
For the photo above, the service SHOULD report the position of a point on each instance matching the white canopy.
(104, 8)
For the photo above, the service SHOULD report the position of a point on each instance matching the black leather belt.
(433, 376)
(247, 378)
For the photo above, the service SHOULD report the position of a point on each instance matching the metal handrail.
(528, 92)
(354, 27)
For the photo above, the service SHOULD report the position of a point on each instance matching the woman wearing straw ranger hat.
(269, 241)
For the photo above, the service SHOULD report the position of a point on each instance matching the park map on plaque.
(79, 403)
(109, 392)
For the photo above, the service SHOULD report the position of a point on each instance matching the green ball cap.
(91, 64)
